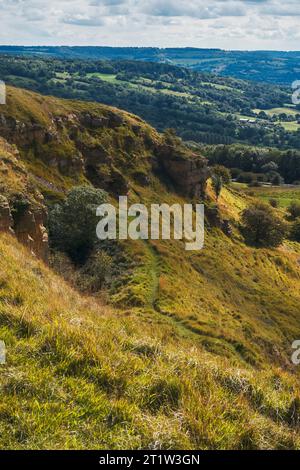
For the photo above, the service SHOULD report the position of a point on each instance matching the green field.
(63, 75)
(222, 87)
(111, 78)
(283, 195)
(291, 126)
(277, 111)
(143, 83)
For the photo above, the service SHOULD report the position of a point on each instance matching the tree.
(261, 226)
(72, 224)
(217, 184)
(276, 179)
(269, 167)
(223, 172)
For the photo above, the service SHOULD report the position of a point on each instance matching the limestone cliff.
(106, 146)
(187, 170)
(22, 211)
(48, 145)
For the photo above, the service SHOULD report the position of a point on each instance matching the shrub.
(294, 210)
(235, 172)
(276, 179)
(20, 204)
(262, 227)
(295, 230)
(97, 270)
(217, 184)
(62, 265)
(273, 203)
(72, 224)
(222, 172)
(247, 177)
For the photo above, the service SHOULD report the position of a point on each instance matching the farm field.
(290, 111)
(291, 126)
(283, 195)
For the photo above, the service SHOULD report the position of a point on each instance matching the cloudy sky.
(228, 24)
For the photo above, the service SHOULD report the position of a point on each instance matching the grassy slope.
(80, 375)
(31, 107)
(237, 301)
(197, 353)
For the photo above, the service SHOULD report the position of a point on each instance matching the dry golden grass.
(81, 375)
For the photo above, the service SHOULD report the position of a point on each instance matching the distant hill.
(263, 66)
(201, 107)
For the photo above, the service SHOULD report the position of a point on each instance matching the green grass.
(221, 87)
(63, 75)
(110, 78)
(284, 196)
(277, 111)
(83, 376)
(291, 126)
(195, 349)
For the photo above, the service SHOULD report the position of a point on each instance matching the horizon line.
(148, 47)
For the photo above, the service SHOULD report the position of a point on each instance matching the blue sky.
(228, 24)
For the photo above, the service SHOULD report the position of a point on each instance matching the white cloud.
(231, 24)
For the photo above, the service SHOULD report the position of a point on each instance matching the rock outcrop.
(22, 133)
(188, 171)
(29, 228)
(30, 231)
(107, 146)
(46, 142)
(22, 210)
(81, 141)
(6, 220)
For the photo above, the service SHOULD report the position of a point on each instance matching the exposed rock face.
(104, 145)
(107, 177)
(108, 148)
(28, 135)
(95, 122)
(188, 172)
(111, 120)
(6, 220)
(93, 154)
(22, 211)
(22, 133)
(29, 228)
(31, 232)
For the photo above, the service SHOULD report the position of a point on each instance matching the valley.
(203, 108)
(279, 67)
(177, 349)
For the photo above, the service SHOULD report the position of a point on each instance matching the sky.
(226, 24)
